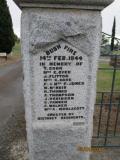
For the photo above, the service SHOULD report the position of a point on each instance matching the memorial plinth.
(85, 4)
(61, 46)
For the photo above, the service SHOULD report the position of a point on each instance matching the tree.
(113, 35)
(7, 40)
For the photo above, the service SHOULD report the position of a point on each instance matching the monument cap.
(85, 4)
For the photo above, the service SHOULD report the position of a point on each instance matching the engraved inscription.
(64, 84)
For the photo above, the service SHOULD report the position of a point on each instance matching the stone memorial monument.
(61, 46)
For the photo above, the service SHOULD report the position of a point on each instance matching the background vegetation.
(7, 39)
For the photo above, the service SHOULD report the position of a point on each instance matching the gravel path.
(12, 122)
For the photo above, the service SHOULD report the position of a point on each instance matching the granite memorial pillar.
(61, 47)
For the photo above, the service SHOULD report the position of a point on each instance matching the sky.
(107, 17)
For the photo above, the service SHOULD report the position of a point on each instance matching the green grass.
(17, 49)
(104, 78)
(117, 52)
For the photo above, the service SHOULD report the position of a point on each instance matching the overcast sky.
(107, 14)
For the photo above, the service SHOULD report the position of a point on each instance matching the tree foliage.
(7, 40)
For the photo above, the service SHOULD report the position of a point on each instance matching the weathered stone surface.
(41, 30)
(76, 29)
(96, 4)
(60, 52)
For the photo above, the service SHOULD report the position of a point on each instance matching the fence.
(107, 107)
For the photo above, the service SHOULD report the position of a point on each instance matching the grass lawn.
(104, 78)
(17, 50)
(117, 52)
